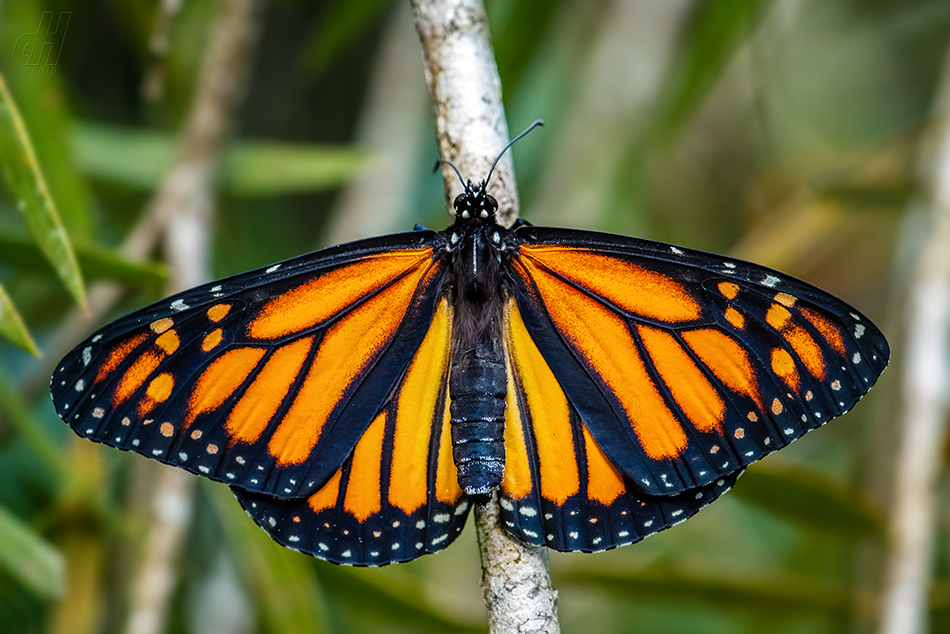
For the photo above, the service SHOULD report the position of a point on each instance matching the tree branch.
(924, 401)
(466, 95)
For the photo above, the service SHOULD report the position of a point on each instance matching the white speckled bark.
(470, 123)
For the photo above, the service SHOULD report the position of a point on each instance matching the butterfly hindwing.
(397, 495)
(560, 490)
(267, 379)
(687, 366)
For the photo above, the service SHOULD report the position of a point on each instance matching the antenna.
(440, 162)
(535, 124)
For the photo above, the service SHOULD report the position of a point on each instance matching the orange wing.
(560, 490)
(267, 379)
(687, 366)
(397, 496)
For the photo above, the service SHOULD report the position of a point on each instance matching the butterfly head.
(475, 203)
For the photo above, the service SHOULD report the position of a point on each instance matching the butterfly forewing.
(560, 490)
(687, 366)
(397, 496)
(267, 379)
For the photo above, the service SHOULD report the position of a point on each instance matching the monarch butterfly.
(356, 399)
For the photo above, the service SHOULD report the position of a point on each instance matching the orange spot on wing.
(729, 290)
(735, 318)
(726, 359)
(348, 349)
(363, 496)
(777, 316)
(548, 414)
(604, 482)
(785, 299)
(606, 345)
(632, 288)
(784, 366)
(333, 292)
(118, 355)
(220, 379)
(218, 312)
(158, 391)
(416, 403)
(328, 494)
(691, 390)
(161, 325)
(168, 341)
(828, 330)
(260, 400)
(212, 339)
(136, 376)
(803, 343)
(807, 350)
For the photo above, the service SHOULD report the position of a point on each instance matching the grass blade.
(32, 197)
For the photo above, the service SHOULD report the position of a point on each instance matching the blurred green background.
(791, 133)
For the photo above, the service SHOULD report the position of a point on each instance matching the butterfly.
(360, 398)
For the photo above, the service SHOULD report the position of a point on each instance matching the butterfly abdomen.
(478, 386)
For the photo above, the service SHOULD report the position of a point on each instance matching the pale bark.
(470, 123)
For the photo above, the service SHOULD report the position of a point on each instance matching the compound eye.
(459, 201)
(492, 203)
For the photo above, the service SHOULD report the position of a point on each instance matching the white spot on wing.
(770, 281)
(179, 305)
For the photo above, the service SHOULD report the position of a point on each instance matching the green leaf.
(12, 326)
(339, 30)
(265, 169)
(141, 159)
(96, 261)
(30, 559)
(25, 178)
(810, 499)
(715, 32)
(39, 39)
